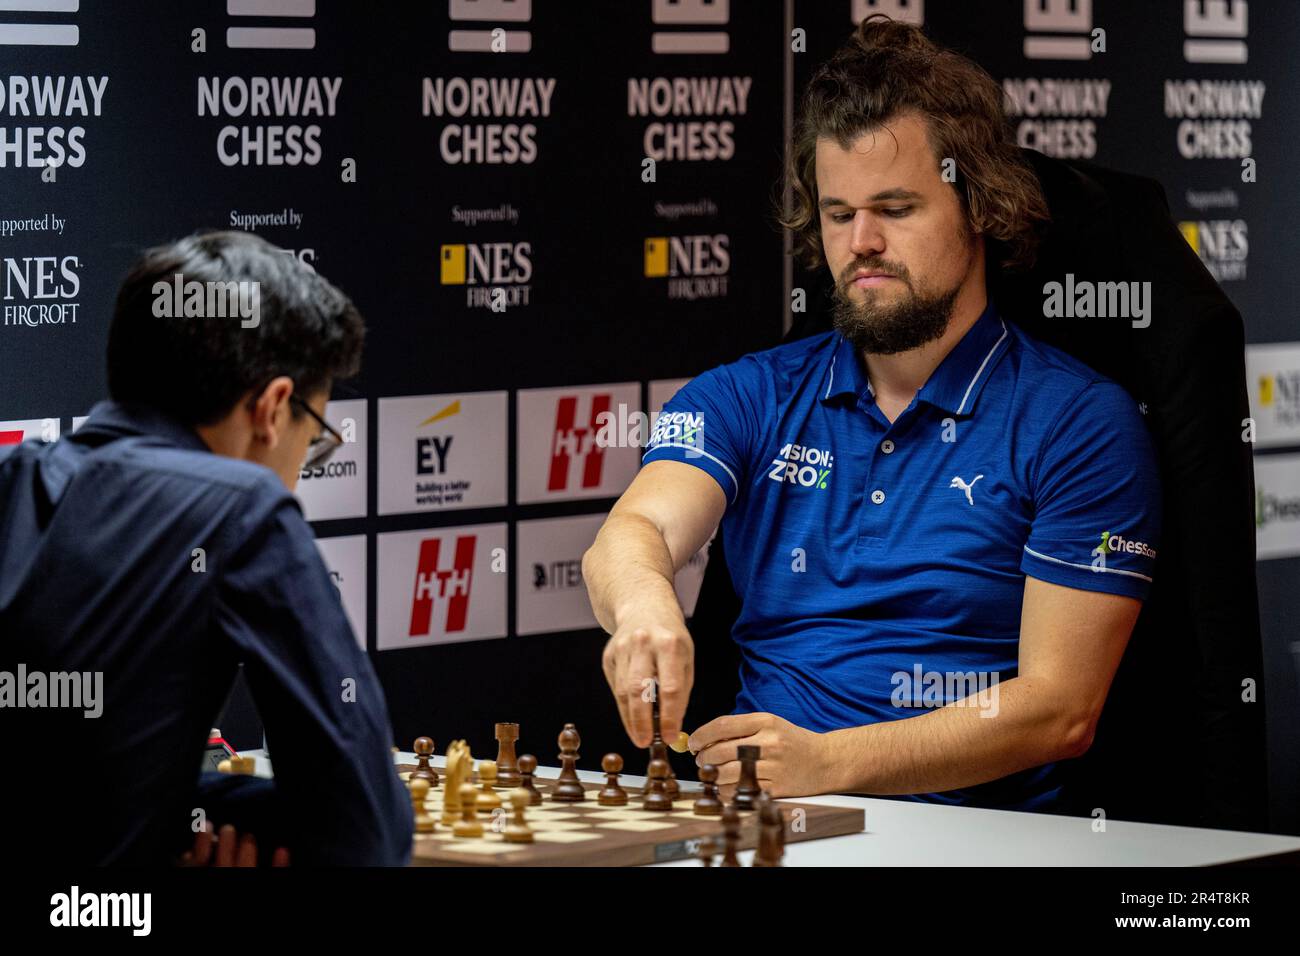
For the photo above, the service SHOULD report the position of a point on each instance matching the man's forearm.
(954, 746)
(628, 567)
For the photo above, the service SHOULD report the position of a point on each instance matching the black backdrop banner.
(547, 210)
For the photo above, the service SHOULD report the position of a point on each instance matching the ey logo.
(574, 447)
(436, 585)
(431, 451)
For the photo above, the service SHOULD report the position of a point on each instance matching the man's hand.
(794, 762)
(644, 659)
(230, 849)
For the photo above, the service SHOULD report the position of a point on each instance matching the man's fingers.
(675, 679)
(247, 852)
(729, 774)
(226, 840)
(640, 667)
(202, 851)
(728, 727)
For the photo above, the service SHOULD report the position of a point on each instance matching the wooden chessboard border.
(623, 848)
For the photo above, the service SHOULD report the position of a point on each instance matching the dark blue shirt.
(129, 549)
(881, 565)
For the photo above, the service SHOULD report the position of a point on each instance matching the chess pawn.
(420, 793)
(568, 788)
(507, 764)
(517, 830)
(708, 804)
(468, 825)
(747, 789)
(487, 778)
(771, 832)
(528, 767)
(657, 797)
(730, 835)
(423, 748)
(612, 795)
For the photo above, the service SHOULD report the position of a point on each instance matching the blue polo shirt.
(881, 566)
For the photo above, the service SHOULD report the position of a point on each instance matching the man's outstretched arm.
(665, 516)
(1071, 642)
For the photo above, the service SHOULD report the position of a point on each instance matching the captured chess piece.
(656, 797)
(528, 767)
(568, 788)
(507, 764)
(612, 795)
(487, 778)
(771, 832)
(707, 803)
(423, 748)
(517, 830)
(468, 825)
(730, 835)
(747, 789)
(420, 793)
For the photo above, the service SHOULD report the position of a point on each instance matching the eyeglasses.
(323, 445)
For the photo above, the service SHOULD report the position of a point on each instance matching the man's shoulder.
(780, 363)
(191, 466)
(1048, 374)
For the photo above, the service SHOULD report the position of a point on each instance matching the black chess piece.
(528, 767)
(568, 788)
(424, 770)
(771, 832)
(730, 835)
(612, 795)
(707, 803)
(507, 765)
(656, 797)
(747, 789)
(659, 751)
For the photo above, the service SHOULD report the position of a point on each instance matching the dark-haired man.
(926, 513)
(160, 546)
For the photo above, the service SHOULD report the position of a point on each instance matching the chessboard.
(584, 833)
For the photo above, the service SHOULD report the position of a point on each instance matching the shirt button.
(887, 446)
(877, 496)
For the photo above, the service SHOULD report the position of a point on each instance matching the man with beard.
(941, 530)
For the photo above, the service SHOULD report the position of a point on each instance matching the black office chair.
(1177, 743)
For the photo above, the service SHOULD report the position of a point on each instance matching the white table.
(903, 833)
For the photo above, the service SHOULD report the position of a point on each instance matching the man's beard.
(888, 329)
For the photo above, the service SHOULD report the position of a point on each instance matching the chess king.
(899, 498)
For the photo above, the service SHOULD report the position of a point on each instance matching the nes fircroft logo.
(41, 290)
(696, 267)
(495, 274)
(1222, 244)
